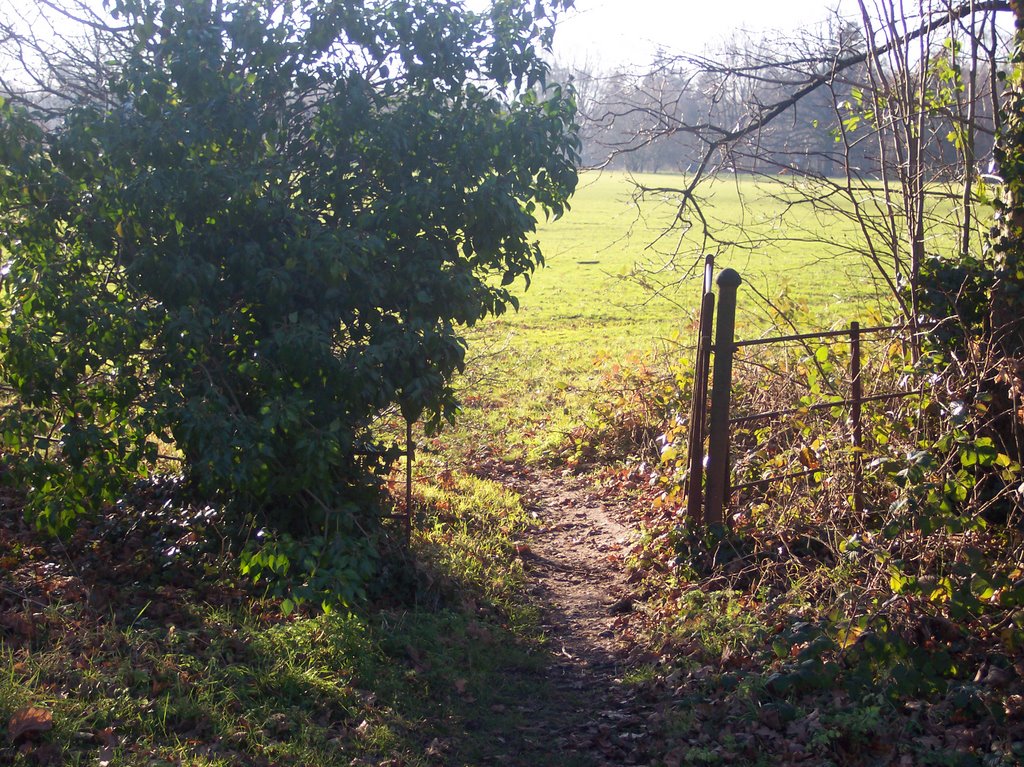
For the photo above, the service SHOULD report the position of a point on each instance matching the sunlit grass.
(431, 673)
(534, 372)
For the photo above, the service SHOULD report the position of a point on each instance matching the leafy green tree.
(271, 231)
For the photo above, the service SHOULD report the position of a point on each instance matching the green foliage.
(272, 229)
(956, 289)
(719, 620)
(325, 570)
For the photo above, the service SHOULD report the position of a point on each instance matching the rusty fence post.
(856, 397)
(718, 449)
(699, 404)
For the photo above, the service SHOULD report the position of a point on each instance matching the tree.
(54, 53)
(901, 101)
(270, 230)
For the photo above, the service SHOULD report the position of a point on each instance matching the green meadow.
(592, 251)
(621, 284)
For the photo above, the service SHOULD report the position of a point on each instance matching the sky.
(605, 34)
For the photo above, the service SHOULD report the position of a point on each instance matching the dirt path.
(577, 576)
(575, 563)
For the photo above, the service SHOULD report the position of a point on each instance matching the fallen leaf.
(29, 722)
(106, 756)
(17, 624)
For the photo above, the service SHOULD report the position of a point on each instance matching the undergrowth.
(120, 647)
(892, 635)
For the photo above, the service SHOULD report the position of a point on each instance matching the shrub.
(269, 232)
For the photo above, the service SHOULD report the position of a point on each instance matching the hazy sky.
(609, 33)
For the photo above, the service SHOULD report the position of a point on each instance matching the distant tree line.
(663, 118)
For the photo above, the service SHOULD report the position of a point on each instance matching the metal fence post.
(856, 397)
(698, 409)
(718, 449)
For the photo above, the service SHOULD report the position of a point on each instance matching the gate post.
(718, 450)
(698, 409)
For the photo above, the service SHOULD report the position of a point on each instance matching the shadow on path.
(575, 707)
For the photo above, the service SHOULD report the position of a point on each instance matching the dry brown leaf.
(48, 754)
(17, 624)
(28, 723)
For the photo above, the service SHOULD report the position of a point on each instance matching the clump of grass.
(202, 685)
(467, 543)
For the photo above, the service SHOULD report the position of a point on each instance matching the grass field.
(587, 311)
(591, 251)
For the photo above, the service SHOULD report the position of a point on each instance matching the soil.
(574, 558)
